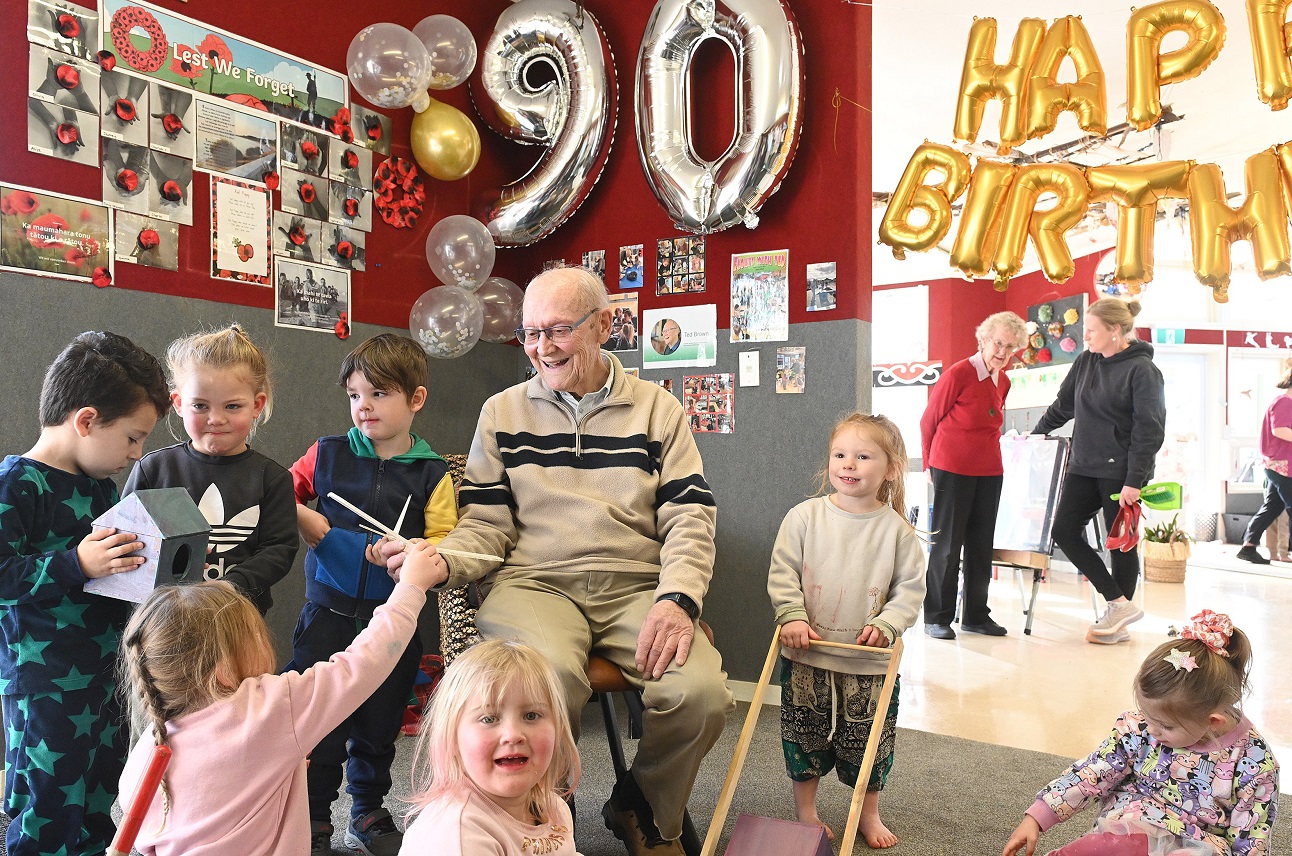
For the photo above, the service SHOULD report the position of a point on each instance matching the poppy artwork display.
(171, 121)
(64, 27)
(63, 80)
(170, 182)
(351, 164)
(304, 148)
(371, 129)
(144, 241)
(125, 108)
(240, 240)
(125, 176)
(62, 132)
(49, 234)
(297, 237)
(345, 247)
(302, 194)
(350, 206)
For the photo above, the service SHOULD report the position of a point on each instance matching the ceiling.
(918, 55)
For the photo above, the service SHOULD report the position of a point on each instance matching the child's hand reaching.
(422, 566)
(872, 636)
(1024, 838)
(105, 552)
(797, 634)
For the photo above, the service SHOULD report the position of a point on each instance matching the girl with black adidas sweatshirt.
(1114, 393)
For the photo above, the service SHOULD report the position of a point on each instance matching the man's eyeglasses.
(555, 333)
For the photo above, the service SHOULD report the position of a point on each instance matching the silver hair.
(1008, 320)
(592, 291)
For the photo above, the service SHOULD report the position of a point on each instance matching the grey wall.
(768, 465)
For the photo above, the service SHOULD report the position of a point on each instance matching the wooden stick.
(399, 524)
(385, 530)
(872, 747)
(463, 554)
(742, 751)
(849, 646)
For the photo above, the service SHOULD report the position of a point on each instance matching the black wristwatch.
(683, 601)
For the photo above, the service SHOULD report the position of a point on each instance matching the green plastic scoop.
(1160, 496)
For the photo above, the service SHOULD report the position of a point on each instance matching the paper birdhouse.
(173, 533)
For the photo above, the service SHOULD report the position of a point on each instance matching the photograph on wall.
(235, 142)
(679, 265)
(1055, 331)
(344, 247)
(306, 195)
(160, 44)
(351, 164)
(49, 234)
(63, 80)
(298, 237)
(820, 287)
(349, 206)
(62, 132)
(310, 297)
(170, 125)
(553, 264)
(595, 261)
(791, 370)
(624, 323)
(710, 403)
(143, 241)
(125, 176)
(760, 298)
(125, 108)
(371, 129)
(680, 336)
(171, 180)
(303, 148)
(630, 266)
(240, 217)
(64, 27)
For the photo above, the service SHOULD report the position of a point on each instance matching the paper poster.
(304, 148)
(679, 265)
(344, 247)
(791, 370)
(125, 108)
(143, 241)
(350, 164)
(306, 195)
(64, 27)
(349, 206)
(62, 132)
(297, 237)
(371, 129)
(630, 266)
(749, 368)
(125, 176)
(680, 336)
(49, 234)
(170, 126)
(760, 306)
(625, 328)
(710, 403)
(240, 217)
(820, 287)
(595, 261)
(310, 297)
(235, 142)
(63, 80)
(171, 183)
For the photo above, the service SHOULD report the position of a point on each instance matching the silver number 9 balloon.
(547, 77)
(700, 196)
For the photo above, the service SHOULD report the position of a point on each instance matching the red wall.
(822, 212)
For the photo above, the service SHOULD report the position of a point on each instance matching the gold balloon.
(1270, 50)
(912, 194)
(983, 80)
(445, 141)
(1262, 219)
(1047, 98)
(980, 220)
(1136, 189)
(1047, 228)
(1148, 69)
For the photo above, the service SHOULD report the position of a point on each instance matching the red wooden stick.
(134, 817)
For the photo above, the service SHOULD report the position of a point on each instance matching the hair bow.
(1212, 629)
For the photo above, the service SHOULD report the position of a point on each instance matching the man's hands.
(105, 552)
(797, 634)
(1024, 837)
(313, 525)
(666, 636)
(420, 565)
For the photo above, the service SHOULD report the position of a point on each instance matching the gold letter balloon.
(932, 200)
(1148, 69)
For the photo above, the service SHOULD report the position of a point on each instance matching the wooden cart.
(894, 655)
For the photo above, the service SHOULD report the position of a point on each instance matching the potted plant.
(1166, 549)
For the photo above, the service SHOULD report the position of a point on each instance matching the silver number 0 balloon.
(547, 78)
(708, 197)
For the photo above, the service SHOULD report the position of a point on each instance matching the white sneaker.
(1119, 636)
(1116, 617)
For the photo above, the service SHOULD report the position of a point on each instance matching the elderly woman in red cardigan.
(960, 438)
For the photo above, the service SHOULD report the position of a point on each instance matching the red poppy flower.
(148, 239)
(374, 130)
(91, 247)
(6, 206)
(214, 47)
(22, 202)
(86, 214)
(307, 193)
(310, 150)
(68, 134)
(171, 191)
(411, 215)
(74, 256)
(128, 180)
(345, 250)
(69, 27)
(107, 60)
(245, 252)
(351, 208)
(125, 110)
(46, 231)
(68, 77)
(172, 124)
(349, 160)
(342, 116)
(342, 328)
(346, 135)
(101, 277)
(297, 236)
(271, 179)
(183, 67)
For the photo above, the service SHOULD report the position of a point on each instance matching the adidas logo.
(225, 535)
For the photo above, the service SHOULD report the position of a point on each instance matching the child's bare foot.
(877, 835)
(813, 820)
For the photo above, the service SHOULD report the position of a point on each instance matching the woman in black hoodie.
(1115, 394)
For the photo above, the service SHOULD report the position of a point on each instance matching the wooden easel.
(751, 721)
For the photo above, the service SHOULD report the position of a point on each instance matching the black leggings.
(1082, 497)
(1278, 499)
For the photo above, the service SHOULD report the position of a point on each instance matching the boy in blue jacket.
(376, 466)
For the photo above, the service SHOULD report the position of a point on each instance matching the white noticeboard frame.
(1029, 496)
